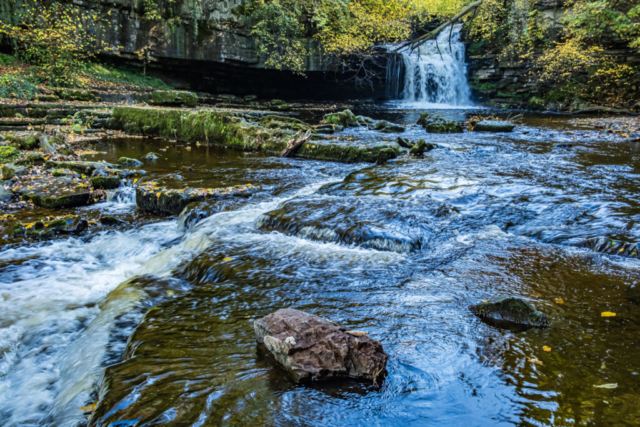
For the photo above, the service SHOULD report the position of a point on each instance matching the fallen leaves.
(546, 348)
(227, 259)
(609, 385)
(559, 300)
(608, 314)
(534, 360)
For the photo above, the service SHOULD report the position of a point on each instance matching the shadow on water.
(401, 251)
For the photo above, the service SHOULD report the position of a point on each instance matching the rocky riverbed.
(138, 259)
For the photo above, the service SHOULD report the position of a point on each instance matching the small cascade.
(434, 73)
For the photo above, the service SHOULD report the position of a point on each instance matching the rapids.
(399, 250)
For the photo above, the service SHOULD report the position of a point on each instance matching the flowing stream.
(152, 319)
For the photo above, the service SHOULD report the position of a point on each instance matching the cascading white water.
(434, 73)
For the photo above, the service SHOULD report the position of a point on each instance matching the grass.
(98, 74)
(16, 86)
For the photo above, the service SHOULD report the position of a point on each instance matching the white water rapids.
(432, 76)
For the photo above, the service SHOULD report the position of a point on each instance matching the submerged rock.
(612, 247)
(5, 195)
(167, 201)
(151, 156)
(494, 126)
(420, 147)
(436, 124)
(126, 161)
(312, 348)
(388, 127)
(510, 310)
(110, 220)
(404, 142)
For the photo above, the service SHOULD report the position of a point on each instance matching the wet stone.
(56, 193)
(388, 127)
(344, 118)
(436, 124)
(11, 170)
(165, 201)
(126, 161)
(151, 156)
(493, 126)
(311, 348)
(421, 147)
(612, 247)
(510, 310)
(86, 168)
(105, 182)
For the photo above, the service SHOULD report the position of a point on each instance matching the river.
(400, 250)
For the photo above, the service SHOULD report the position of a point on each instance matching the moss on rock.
(510, 310)
(173, 98)
(494, 126)
(433, 123)
(238, 131)
(8, 153)
(105, 182)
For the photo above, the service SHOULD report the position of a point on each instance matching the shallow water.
(399, 250)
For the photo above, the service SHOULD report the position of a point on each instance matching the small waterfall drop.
(434, 73)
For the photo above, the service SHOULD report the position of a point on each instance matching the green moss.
(76, 95)
(124, 76)
(535, 103)
(167, 97)
(8, 153)
(233, 131)
(105, 182)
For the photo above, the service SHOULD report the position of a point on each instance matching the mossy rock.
(388, 127)
(510, 310)
(35, 158)
(165, 201)
(29, 142)
(404, 142)
(126, 161)
(420, 147)
(328, 129)
(110, 220)
(344, 118)
(8, 153)
(46, 98)
(433, 123)
(236, 131)
(76, 94)
(105, 182)
(11, 170)
(150, 156)
(7, 111)
(173, 97)
(62, 172)
(85, 168)
(494, 126)
(56, 193)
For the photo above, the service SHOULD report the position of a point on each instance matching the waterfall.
(434, 73)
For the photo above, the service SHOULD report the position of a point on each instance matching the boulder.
(105, 182)
(110, 220)
(8, 153)
(126, 161)
(385, 155)
(494, 126)
(510, 310)
(436, 124)
(343, 118)
(404, 142)
(56, 193)
(11, 170)
(387, 127)
(35, 158)
(420, 147)
(312, 348)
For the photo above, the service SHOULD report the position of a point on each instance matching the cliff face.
(206, 45)
(509, 83)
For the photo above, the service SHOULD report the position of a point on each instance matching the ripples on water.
(399, 250)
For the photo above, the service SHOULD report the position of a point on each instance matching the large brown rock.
(312, 348)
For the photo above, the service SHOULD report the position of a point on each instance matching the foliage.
(7, 60)
(341, 27)
(58, 38)
(15, 86)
